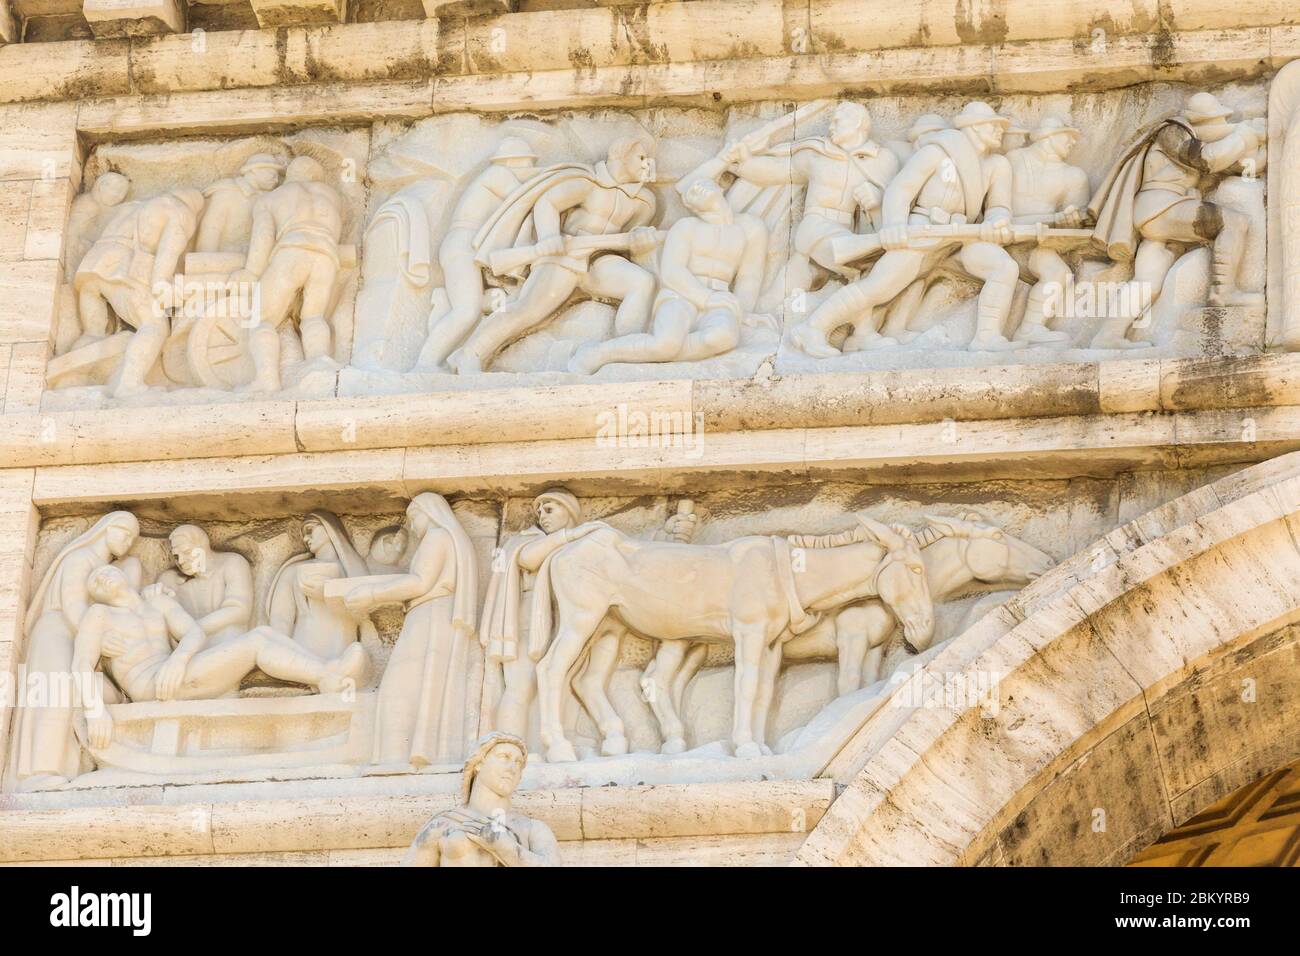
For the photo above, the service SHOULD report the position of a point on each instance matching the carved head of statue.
(497, 763)
(924, 125)
(120, 531)
(632, 159)
(557, 509)
(262, 170)
(1208, 117)
(190, 547)
(984, 124)
(705, 196)
(110, 189)
(514, 152)
(1056, 135)
(108, 585)
(850, 124)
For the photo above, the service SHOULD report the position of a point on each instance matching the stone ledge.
(453, 420)
(260, 826)
(592, 56)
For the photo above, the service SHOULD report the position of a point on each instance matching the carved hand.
(99, 730)
(682, 527)
(738, 152)
(550, 246)
(151, 591)
(170, 676)
(643, 240)
(500, 842)
(895, 237)
(1070, 218)
(998, 231)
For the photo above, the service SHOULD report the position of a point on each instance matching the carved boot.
(1113, 335)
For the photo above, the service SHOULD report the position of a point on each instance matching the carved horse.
(956, 552)
(747, 593)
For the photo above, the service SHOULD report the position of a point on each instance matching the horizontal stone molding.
(1114, 671)
(353, 823)
(354, 73)
(1083, 393)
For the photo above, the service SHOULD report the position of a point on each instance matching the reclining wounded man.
(133, 636)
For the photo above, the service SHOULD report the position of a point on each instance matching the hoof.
(750, 749)
(562, 752)
(673, 745)
(614, 746)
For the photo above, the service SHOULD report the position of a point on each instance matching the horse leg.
(750, 641)
(871, 664)
(656, 686)
(571, 637)
(592, 688)
(695, 657)
(851, 648)
(769, 670)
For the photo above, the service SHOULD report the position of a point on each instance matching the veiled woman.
(295, 603)
(45, 752)
(421, 707)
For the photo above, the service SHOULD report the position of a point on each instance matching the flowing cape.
(1113, 202)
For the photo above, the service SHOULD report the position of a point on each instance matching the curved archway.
(1139, 682)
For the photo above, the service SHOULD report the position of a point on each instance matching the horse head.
(901, 581)
(991, 555)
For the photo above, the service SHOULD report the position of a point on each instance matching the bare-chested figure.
(133, 635)
(710, 276)
(228, 216)
(511, 163)
(484, 830)
(130, 268)
(294, 248)
(846, 174)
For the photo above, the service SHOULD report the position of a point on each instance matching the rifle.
(757, 141)
(506, 261)
(848, 249)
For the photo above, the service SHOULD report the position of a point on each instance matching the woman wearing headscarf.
(420, 718)
(295, 603)
(45, 752)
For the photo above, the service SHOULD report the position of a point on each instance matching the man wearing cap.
(846, 175)
(511, 164)
(1151, 197)
(612, 197)
(484, 830)
(1049, 190)
(509, 601)
(130, 268)
(957, 176)
(215, 587)
(293, 249)
(228, 216)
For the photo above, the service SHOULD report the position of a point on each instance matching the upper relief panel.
(465, 251)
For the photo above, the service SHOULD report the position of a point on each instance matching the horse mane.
(930, 534)
(857, 534)
(854, 535)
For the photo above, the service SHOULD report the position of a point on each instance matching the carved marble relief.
(465, 251)
(726, 629)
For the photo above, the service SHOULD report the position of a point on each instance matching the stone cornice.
(705, 52)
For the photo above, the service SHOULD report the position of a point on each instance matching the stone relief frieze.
(464, 251)
(729, 633)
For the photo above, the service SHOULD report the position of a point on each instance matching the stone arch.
(1140, 681)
